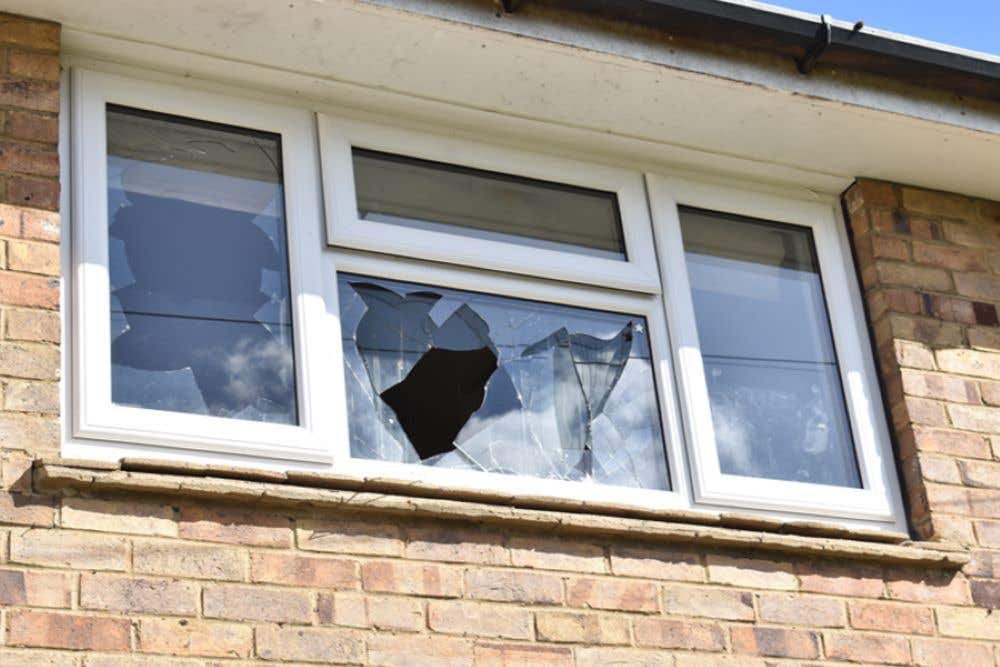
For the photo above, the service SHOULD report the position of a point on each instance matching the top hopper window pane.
(487, 205)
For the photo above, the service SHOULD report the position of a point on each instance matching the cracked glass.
(456, 379)
(201, 317)
(777, 403)
(434, 196)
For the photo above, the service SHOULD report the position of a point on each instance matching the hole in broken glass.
(501, 385)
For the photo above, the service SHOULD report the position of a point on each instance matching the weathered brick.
(750, 572)
(237, 526)
(31, 257)
(581, 628)
(553, 554)
(942, 387)
(514, 586)
(14, 657)
(969, 362)
(479, 619)
(868, 648)
(412, 651)
(913, 355)
(775, 642)
(969, 623)
(980, 474)
(656, 563)
(980, 418)
(613, 594)
(24, 289)
(309, 645)
(887, 617)
(15, 471)
(708, 602)
(679, 634)
(43, 128)
(34, 588)
(985, 594)
(622, 657)
(411, 579)
(938, 469)
(952, 443)
(118, 516)
(31, 396)
(517, 655)
(30, 432)
(33, 65)
(393, 613)
(39, 225)
(145, 595)
(210, 639)
(983, 286)
(350, 537)
(67, 631)
(927, 586)
(199, 561)
(27, 190)
(256, 603)
(31, 325)
(949, 257)
(29, 159)
(807, 610)
(292, 570)
(911, 275)
(33, 362)
(943, 653)
(943, 204)
(33, 95)
(988, 533)
(23, 510)
(29, 32)
(849, 580)
(61, 548)
(456, 545)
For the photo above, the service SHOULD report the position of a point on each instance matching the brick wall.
(121, 581)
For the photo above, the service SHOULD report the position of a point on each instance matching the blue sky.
(971, 24)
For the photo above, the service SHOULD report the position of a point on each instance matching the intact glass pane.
(456, 379)
(201, 317)
(482, 204)
(773, 382)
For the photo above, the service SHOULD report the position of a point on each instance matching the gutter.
(807, 39)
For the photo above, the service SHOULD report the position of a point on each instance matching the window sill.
(325, 490)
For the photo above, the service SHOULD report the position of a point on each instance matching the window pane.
(457, 379)
(201, 318)
(773, 382)
(483, 204)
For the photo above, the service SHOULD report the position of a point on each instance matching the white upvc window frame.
(318, 179)
(95, 416)
(345, 229)
(877, 499)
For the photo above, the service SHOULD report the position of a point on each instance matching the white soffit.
(359, 54)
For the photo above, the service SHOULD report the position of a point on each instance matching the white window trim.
(346, 229)
(321, 441)
(311, 282)
(878, 497)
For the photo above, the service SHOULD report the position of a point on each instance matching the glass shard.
(500, 385)
(200, 308)
(436, 196)
(774, 385)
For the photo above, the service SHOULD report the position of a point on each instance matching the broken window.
(201, 318)
(777, 403)
(457, 379)
(441, 197)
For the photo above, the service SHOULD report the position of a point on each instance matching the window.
(474, 317)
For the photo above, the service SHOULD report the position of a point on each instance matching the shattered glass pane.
(457, 379)
(201, 318)
(435, 196)
(777, 403)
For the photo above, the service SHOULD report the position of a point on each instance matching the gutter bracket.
(822, 40)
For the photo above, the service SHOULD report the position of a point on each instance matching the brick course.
(129, 582)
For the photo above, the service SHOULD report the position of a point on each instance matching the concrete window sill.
(387, 497)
